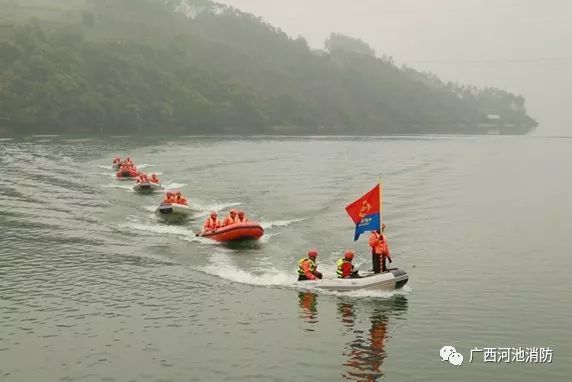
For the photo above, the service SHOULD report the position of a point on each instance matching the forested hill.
(194, 67)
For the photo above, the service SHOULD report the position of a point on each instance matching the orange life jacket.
(180, 200)
(211, 223)
(229, 220)
(378, 246)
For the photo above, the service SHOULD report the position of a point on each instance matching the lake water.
(94, 288)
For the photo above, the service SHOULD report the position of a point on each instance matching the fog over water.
(523, 46)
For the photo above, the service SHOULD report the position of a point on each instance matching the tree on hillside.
(339, 42)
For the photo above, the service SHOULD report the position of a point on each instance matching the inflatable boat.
(173, 211)
(390, 280)
(126, 174)
(147, 187)
(235, 232)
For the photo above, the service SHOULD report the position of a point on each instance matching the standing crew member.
(307, 268)
(379, 250)
(345, 267)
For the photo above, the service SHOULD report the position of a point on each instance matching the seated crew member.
(212, 222)
(230, 219)
(241, 218)
(307, 268)
(169, 198)
(116, 160)
(154, 179)
(345, 267)
(179, 199)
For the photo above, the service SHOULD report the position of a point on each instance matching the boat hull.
(147, 187)
(172, 212)
(390, 280)
(126, 175)
(173, 209)
(236, 232)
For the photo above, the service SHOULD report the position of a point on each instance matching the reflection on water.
(308, 309)
(365, 352)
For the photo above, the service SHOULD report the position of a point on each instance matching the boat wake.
(280, 223)
(173, 186)
(266, 237)
(150, 208)
(123, 186)
(158, 229)
(205, 209)
(108, 174)
(267, 277)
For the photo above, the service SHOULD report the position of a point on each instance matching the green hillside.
(152, 66)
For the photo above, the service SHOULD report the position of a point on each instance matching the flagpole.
(380, 202)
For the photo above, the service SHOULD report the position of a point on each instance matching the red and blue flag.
(366, 212)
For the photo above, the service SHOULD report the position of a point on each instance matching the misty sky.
(524, 46)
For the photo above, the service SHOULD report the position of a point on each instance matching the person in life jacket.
(212, 222)
(179, 199)
(169, 198)
(307, 268)
(154, 179)
(241, 218)
(379, 250)
(116, 160)
(123, 171)
(230, 219)
(345, 267)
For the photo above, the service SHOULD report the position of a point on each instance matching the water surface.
(94, 288)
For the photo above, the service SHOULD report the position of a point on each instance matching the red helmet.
(233, 211)
(312, 253)
(348, 255)
(213, 213)
(240, 213)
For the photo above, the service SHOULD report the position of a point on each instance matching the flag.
(366, 212)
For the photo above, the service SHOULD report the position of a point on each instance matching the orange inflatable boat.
(127, 174)
(234, 232)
